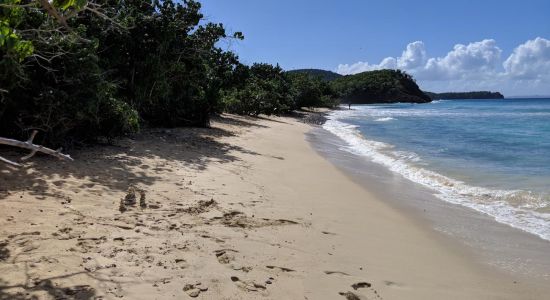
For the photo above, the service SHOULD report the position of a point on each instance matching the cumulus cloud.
(471, 66)
(473, 60)
(530, 60)
(412, 57)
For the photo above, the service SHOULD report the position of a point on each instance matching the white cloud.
(412, 57)
(477, 60)
(474, 66)
(357, 67)
(530, 60)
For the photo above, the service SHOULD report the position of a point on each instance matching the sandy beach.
(244, 210)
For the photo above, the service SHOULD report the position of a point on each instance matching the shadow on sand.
(39, 289)
(121, 164)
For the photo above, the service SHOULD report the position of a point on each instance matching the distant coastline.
(529, 97)
(465, 95)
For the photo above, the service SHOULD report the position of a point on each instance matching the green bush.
(264, 90)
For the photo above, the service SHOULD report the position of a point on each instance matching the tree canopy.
(465, 95)
(380, 86)
(79, 70)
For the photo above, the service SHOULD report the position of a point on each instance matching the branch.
(9, 162)
(33, 147)
(54, 13)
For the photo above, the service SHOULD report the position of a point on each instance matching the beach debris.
(121, 206)
(201, 207)
(30, 146)
(130, 198)
(359, 285)
(142, 202)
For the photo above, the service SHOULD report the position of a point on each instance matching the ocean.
(492, 156)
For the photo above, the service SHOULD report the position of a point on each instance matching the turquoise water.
(490, 155)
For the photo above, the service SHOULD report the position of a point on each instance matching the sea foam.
(385, 119)
(516, 208)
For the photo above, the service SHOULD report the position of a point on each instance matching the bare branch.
(54, 13)
(33, 147)
(104, 16)
(9, 162)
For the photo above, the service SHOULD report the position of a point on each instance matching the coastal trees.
(264, 89)
(56, 85)
(311, 90)
(466, 95)
(116, 65)
(79, 70)
(379, 86)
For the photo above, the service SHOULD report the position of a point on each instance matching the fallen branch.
(30, 146)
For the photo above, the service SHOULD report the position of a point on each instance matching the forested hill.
(380, 86)
(322, 74)
(465, 95)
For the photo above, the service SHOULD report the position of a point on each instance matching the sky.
(446, 45)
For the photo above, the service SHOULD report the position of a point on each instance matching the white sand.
(284, 224)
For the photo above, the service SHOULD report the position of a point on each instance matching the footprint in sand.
(349, 296)
(392, 284)
(360, 285)
(201, 207)
(249, 286)
(239, 219)
(373, 294)
(336, 272)
(281, 268)
(194, 290)
(225, 256)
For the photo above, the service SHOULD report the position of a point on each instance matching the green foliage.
(66, 4)
(321, 74)
(381, 86)
(11, 43)
(312, 90)
(67, 96)
(465, 95)
(105, 73)
(264, 90)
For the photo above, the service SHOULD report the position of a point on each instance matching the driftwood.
(30, 146)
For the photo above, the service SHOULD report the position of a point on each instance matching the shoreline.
(245, 210)
(489, 242)
(463, 184)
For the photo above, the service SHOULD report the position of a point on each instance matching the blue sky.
(447, 45)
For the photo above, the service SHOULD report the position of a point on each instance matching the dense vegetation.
(380, 86)
(465, 95)
(78, 70)
(322, 74)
